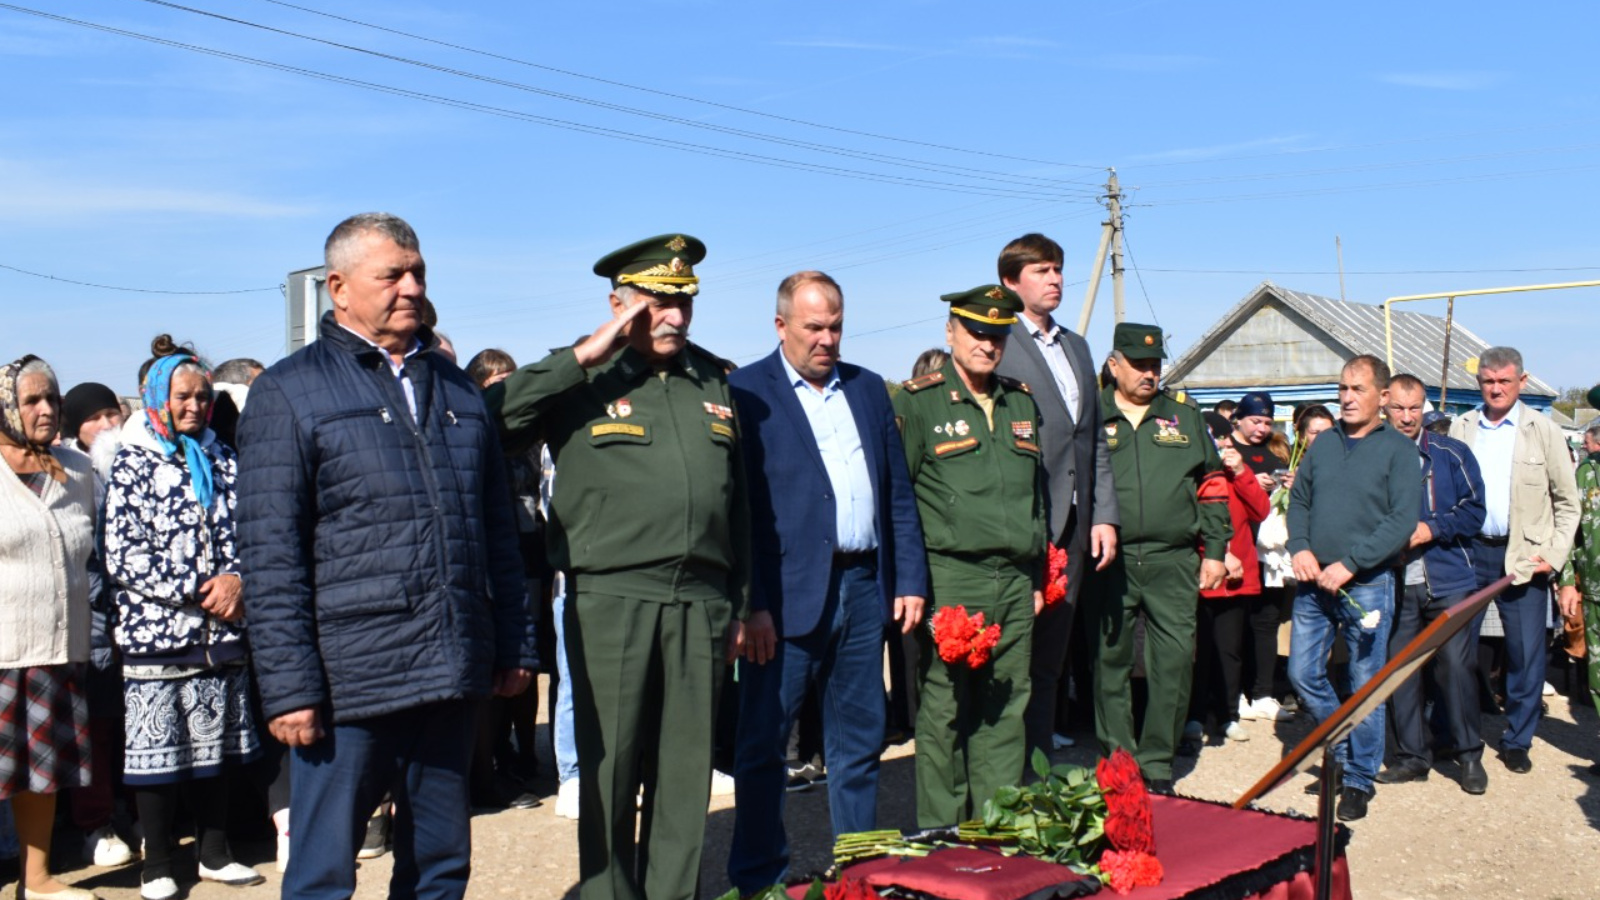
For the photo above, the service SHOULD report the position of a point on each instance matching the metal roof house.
(1294, 344)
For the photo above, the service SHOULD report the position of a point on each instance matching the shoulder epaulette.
(723, 365)
(1182, 397)
(1012, 384)
(922, 381)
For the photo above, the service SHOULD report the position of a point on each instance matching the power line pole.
(1338, 248)
(1110, 240)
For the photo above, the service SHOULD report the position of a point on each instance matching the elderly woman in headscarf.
(169, 546)
(46, 543)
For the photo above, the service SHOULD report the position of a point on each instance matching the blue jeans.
(561, 728)
(844, 657)
(1321, 618)
(421, 755)
(1525, 615)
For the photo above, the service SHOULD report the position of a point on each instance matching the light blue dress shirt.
(834, 428)
(1055, 356)
(1495, 448)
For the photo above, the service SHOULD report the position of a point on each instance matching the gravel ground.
(1534, 835)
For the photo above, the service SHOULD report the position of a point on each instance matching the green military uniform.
(649, 520)
(1583, 565)
(979, 493)
(1172, 498)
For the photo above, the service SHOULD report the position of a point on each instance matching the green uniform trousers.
(1164, 585)
(645, 678)
(1591, 637)
(970, 734)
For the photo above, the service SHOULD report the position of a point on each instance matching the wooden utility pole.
(1110, 240)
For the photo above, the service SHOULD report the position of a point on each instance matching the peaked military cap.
(663, 264)
(1594, 397)
(986, 309)
(1138, 341)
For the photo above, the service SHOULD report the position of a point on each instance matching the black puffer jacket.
(380, 556)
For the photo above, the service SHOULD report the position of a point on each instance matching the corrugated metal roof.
(1418, 337)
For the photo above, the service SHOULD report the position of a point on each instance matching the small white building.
(1293, 345)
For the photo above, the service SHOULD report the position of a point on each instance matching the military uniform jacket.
(650, 498)
(1171, 491)
(979, 492)
(1583, 565)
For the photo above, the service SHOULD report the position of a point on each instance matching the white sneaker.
(1247, 710)
(1549, 689)
(1268, 710)
(159, 889)
(233, 874)
(1193, 730)
(104, 848)
(283, 851)
(1236, 732)
(567, 799)
(721, 784)
(1061, 741)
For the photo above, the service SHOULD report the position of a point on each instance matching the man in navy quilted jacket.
(385, 592)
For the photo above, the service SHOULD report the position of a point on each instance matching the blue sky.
(897, 145)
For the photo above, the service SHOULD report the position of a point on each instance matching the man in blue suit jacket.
(837, 550)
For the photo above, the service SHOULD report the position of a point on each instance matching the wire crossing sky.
(165, 164)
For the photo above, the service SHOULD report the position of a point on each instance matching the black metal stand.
(1327, 801)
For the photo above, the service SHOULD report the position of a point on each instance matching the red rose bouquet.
(963, 638)
(1131, 861)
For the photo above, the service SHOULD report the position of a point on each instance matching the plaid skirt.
(184, 722)
(44, 730)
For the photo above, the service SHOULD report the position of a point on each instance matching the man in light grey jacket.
(1056, 364)
(1531, 504)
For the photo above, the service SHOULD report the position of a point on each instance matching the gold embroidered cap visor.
(663, 264)
(987, 309)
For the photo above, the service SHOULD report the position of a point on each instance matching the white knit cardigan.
(45, 543)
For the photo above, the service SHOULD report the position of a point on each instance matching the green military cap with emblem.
(986, 309)
(1138, 341)
(663, 264)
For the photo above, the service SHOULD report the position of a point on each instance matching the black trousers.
(1455, 681)
(1219, 658)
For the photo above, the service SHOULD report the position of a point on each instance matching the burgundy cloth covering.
(1210, 851)
(965, 873)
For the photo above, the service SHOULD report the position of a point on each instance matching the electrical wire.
(675, 96)
(1127, 246)
(516, 115)
(134, 290)
(922, 165)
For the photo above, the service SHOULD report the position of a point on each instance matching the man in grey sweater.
(1353, 507)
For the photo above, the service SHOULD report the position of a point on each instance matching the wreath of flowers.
(963, 638)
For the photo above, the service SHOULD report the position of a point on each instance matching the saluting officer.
(649, 520)
(971, 440)
(1173, 498)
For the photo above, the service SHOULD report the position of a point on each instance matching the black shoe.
(1188, 748)
(524, 800)
(1594, 769)
(1400, 773)
(1517, 761)
(1159, 785)
(1352, 804)
(1314, 788)
(376, 843)
(1474, 780)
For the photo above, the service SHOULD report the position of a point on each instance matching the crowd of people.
(330, 582)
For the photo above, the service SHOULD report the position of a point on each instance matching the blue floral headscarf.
(156, 389)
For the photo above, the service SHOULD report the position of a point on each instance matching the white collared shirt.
(1495, 448)
(845, 460)
(1054, 352)
(395, 368)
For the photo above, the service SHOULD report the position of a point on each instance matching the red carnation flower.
(1129, 820)
(1126, 870)
(983, 644)
(1055, 582)
(952, 632)
(849, 889)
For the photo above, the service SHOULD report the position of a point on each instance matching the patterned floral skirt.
(185, 722)
(44, 730)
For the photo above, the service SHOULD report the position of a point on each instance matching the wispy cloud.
(1444, 81)
(1014, 42)
(1185, 154)
(1146, 62)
